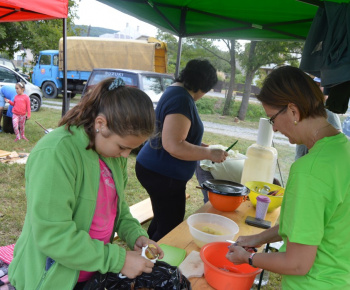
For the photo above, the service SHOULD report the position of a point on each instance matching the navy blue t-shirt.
(175, 100)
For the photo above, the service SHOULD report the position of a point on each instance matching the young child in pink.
(21, 111)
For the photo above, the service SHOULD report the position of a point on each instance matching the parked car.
(9, 76)
(152, 83)
(9, 63)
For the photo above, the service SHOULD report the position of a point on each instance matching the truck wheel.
(49, 90)
(35, 103)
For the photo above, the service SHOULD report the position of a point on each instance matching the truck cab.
(46, 73)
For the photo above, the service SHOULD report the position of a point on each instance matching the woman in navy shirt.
(168, 161)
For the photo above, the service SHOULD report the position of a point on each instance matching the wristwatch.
(250, 260)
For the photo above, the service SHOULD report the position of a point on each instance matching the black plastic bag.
(163, 276)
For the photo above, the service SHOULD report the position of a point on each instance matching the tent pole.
(65, 103)
(178, 57)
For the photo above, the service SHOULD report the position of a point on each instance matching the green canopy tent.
(225, 19)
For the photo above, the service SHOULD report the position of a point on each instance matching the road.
(228, 130)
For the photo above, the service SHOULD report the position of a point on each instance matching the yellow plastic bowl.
(276, 201)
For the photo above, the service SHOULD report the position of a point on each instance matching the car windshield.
(152, 86)
(7, 63)
(7, 76)
(129, 79)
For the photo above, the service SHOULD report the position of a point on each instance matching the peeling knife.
(235, 244)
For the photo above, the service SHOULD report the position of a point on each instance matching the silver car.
(152, 83)
(9, 76)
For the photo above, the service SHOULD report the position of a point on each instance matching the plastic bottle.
(262, 158)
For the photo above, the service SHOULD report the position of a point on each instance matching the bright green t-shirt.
(316, 211)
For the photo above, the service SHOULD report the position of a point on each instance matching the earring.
(97, 130)
(295, 123)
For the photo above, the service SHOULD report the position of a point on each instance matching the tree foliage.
(34, 35)
(193, 48)
(259, 53)
(224, 61)
(253, 56)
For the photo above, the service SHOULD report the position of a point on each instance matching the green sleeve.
(52, 184)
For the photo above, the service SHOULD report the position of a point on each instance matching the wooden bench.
(142, 211)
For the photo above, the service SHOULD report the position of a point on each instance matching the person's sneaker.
(17, 139)
(24, 137)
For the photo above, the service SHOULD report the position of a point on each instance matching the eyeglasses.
(272, 119)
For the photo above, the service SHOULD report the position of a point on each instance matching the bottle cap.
(265, 133)
(263, 198)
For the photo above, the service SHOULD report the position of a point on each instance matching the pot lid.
(225, 187)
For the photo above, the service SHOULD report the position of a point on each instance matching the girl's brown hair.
(289, 84)
(128, 111)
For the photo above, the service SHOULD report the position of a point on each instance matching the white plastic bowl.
(222, 228)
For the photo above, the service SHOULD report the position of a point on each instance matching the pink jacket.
(21, 105)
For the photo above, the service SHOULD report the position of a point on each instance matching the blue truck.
(86, 53)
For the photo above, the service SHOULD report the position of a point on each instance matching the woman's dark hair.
(289, 84)
(198, 75)
(128, 111)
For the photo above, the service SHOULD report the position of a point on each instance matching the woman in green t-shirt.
(314, 221)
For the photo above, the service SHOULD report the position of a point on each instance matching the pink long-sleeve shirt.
(21, 105)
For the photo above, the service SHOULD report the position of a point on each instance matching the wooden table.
(180, 236)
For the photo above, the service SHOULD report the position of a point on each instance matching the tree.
(205, 48)
(193, 48)
(259, 53)
(227, 58)
(231, 45)
(34, 35)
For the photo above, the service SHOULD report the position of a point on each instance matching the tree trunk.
(228, 99)
(246, 95)
(248, 83)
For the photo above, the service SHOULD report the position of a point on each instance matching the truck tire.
(49, 90)
(35, 103)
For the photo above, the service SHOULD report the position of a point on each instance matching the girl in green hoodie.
(75, 181)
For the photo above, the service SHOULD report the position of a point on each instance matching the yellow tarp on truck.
(87, 53)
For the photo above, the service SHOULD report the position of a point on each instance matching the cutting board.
(172, 255)
(192, 266)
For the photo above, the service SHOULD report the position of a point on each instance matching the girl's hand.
(135, 265)
(6, 100)
(142, 241)
(237, 255)
(27, 118)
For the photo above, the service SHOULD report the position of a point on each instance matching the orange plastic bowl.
(225, 202)
(225, 195)
(222, 274)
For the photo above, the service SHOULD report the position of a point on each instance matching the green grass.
(12, 185)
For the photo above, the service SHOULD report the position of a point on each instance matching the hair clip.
(20, 83)
(119, 82)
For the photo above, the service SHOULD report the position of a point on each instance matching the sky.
(94, 13)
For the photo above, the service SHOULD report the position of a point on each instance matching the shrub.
(206, 105)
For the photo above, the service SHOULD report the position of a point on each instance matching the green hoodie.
(62, 181)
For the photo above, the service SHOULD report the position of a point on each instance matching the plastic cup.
(262, 203)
